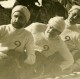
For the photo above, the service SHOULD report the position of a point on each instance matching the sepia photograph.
(39, 39)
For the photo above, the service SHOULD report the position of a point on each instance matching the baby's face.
(52, 32)
(74, 17)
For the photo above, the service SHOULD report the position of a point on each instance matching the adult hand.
(30, 59)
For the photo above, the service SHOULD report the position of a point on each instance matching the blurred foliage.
(4, 16)
(66, 3)
(47, 11)
(42, 14)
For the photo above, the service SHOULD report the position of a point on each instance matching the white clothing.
(71, 36)
(49, 47)
(19, 40)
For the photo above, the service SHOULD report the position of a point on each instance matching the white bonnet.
(23, 9)
(57, 22)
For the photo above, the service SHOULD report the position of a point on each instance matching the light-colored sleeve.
(29, 28)
(36, 27)
(2, 30)
(77, 44)
(66, 55)
(31, 57)
(77, 41)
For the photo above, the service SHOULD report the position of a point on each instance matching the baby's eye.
(15, 16)
(51, 27)
(78, 16)
(75, 14)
